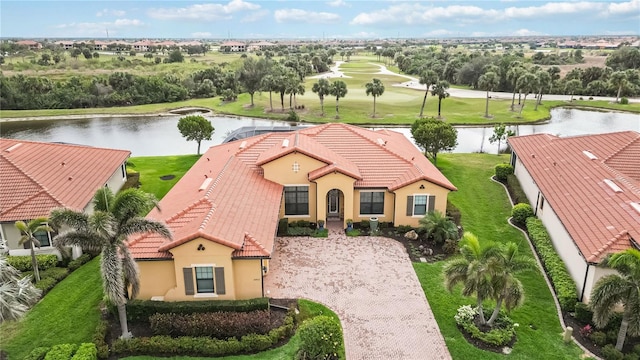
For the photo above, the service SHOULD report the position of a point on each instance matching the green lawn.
(151, 168)
(485, 208)
(67, 314)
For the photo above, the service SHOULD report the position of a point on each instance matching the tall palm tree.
(544, 81)
(622, 288)
(487, 82)
(268, 83)
(438, 227)
(114, 219)
(322, 89)
(28, 232)
(339, 90)
(440, 90)
(374, 88)
(474, 270)
(527, 83)
(618, 80)
(572, 87)
(428, 78)
(515, 71)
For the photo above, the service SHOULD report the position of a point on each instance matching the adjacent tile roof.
(598, 219)
(36, 177)
(224, 197)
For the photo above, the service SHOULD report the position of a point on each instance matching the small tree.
(438, 227)
(375, 89)
(17, 293)
(321, 88)
(339, 90)
(500, 134)
(433, 136)
(440, 90)
(195, 127)
(28, 231)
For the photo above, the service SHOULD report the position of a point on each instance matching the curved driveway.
(370, 283)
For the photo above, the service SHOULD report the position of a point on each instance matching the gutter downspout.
(537, 202)
(262, 277)
(584, 283)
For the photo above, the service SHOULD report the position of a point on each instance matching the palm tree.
(572, 87)
(438, 227)
(374, 88)
(488, 81)
(322, 89)
(440, 90)
(428, 78)
(514, 72)
(268, 83)
(507, 288)
(338, 89)
(544, 81)
(17, 293)
(619, 80)
(114, 219)
(622, 288)
(473, 270)
(527, 83)
(28, 231)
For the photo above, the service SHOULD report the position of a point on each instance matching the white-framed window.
(420, 204)
(371, 202)
(204, 280)
(296, 200)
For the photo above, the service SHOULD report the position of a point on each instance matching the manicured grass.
(485, 208)
(151, 168)
(69, 313)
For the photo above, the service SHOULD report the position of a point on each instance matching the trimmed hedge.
(23, 263)
(86, 351)
(46, 285)
(320, 338)
(61, 352)
(38, 353)
(565, 287)
(141, 310)
(220, 325)
(81, 260)
(502, 171)
(515, 190)
(520, 213)
(583, 313)
(283, 226)
(99, 339)
(453, 213)
(300, 231)
(204, 346)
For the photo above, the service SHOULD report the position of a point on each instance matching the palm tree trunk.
(34, 263)
(538, 100)
(282, 100)
(198, 147)
(374, 106)
(251, 99)
(124, 327)
(322, 106)
(622, 333)
(495, 313)
(337, 108)
(618, 94)
(486, 108)
(424, 101)
(481, 312)
(270, 101)
(522, 107)
(439, 107)
(513, 99)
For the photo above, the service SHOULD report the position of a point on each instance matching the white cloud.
(526, 32)
(255, 16)
(97, 28)
(110, 12)
(206, 12)
(298, 15)
(417, 13)
(338, 3)
(549, 9)
(439, 32)
(201, 34)
(627, 8)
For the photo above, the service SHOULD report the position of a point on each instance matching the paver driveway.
(370, 283)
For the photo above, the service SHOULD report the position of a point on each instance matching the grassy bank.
(153, 168)
(485, 209)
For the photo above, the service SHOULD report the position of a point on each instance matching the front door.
(333, 201)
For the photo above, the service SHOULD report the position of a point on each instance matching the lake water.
(150, 136)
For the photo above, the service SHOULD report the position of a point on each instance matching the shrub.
(365, 224)
(563, 284)
(283, 226)
(636, 349)
(23, 263)
(624, 101)
(141, 310)
(453, 213)
(586, 330)
(321, 233)
(598, 337)
(631, 356)
(501, 334)
(86, 351)
(219, 325)
(520, 213)
(61, 352)
(300, 223)
(353, 232)
(99, 339)
(612, 336)
(515, 190)
(450, 246)
(403, 229)
(46, 284)
(300, 231)
(55, 273)
(293, 116)
(502, 171)
(320, 338)
(38, 353)
(75, 264)
(609, 352)
(583, 313)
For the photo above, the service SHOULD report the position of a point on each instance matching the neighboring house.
(32, 45)
(586, 191)
(233, 46)
(36, 177)
(224, 212)
(261, 46)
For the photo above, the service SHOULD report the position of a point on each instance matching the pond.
(159, 135)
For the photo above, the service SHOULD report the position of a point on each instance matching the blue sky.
(242, 19)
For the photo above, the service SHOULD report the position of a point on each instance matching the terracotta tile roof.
(598, 219)
(36, 177)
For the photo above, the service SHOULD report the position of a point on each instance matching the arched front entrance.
(335, 204)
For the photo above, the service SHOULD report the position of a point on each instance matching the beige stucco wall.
(338, 181)
(401, 218)
(156, 278)
(595, 273)
(389, 201)
(526, 182)
(248, 278)
(117, 180)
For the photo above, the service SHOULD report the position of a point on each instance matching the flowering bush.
(465, 314)
(502, 332)
(586, 330)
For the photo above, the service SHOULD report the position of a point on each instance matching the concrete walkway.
(370, 283)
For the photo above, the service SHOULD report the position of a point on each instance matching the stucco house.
(586, 191)
(36, 177)
(224, 212)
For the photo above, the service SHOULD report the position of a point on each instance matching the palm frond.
(608, 292)
(130, 270)
(103, 224)
(61, 217)
(102, 199)
(131, 203)
(112, 277)
(513, 294)
(140, 225)
(87, 241)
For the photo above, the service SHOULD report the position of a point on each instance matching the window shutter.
(219, 275)
(409, 205)
(188, 281)
(431, 203)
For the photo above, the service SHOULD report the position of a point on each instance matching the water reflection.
(159, 135)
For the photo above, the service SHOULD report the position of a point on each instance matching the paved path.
(370, 283)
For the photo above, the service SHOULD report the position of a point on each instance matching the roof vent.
(636, 207)
(589, 155)
(285, 143)
(381, 142)
(613, 185)
(13, 147)
(243, 144)
(205, 184)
